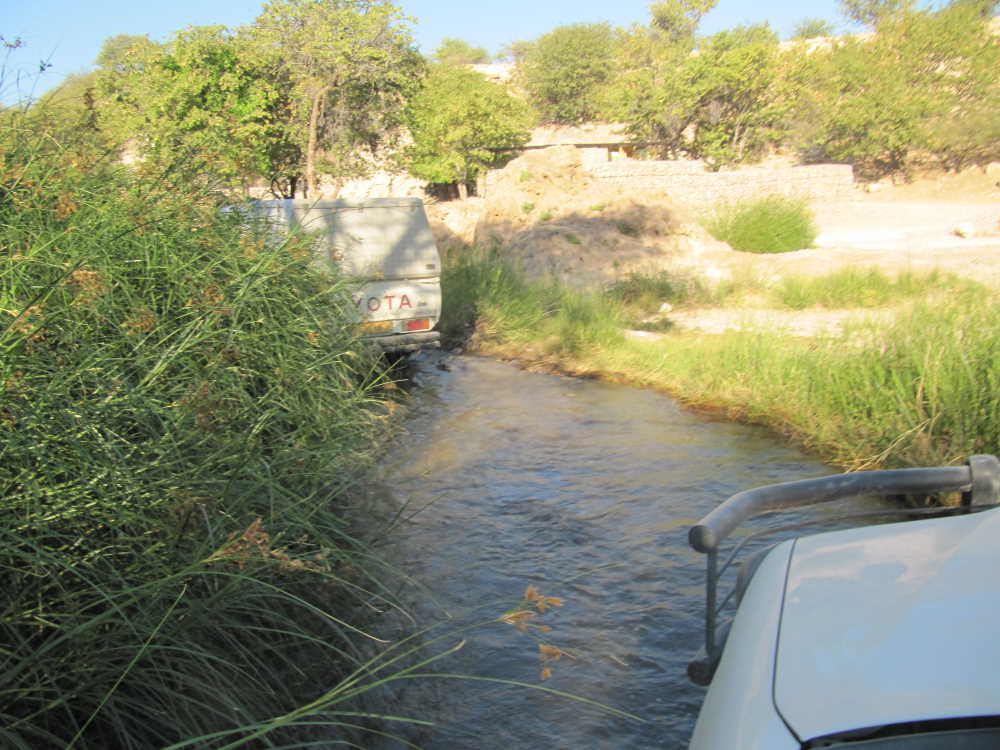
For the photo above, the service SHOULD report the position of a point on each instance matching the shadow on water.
(584, 490)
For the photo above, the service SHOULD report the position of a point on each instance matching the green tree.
(72, 102)
(927, 81)
(856, 107)
(810, 28)
(872, 12)
(679, 19)
(458, 52)
(203, 96)
(740, 102)
(725, 104)
(351, 65)
(564, 71)
(516, 51)
(122, 61)
(125, 53)
(456, 121)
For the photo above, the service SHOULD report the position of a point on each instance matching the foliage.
(872, 12)
(184, 411)
(649, 93)
(203, 95)
(564, 70)
(126, 52)
(453, 51)
(309, 89)
(773, 224)
(925, 81)
(70, 112)
(740, 104)
(455, 121)
(351, 65)
(516, 51)
(959, 63)
(679, 19)
(725, 104)
(810, 28)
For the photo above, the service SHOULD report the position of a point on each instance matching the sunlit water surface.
(584, 490)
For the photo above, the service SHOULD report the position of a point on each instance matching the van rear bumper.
(408, 342)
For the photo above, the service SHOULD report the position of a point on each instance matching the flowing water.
(584, 490)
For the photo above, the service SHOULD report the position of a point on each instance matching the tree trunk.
(312, 147)
(463, 190)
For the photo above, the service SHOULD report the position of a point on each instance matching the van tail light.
(418, 324)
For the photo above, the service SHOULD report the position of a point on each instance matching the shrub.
(774, 224)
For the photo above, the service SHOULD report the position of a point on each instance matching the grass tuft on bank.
(921, 390)
(772, 224)
(865, 287)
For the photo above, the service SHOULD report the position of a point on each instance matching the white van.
(385, 244)
(878, 637)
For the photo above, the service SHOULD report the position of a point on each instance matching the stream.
(584, 490)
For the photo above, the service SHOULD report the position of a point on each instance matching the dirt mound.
(546, 212)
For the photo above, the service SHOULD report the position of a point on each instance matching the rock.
(964, 229)
(666, 307)
(874, 187)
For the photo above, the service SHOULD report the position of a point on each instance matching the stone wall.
(690, 183)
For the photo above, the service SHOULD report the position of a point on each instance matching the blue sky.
(69, 34)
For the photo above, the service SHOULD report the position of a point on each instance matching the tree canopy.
(679, 19)
(926, 82)
(724, 104)
(201, 95)
(458, 52)
(351, 64)
(564, 70)
(455, 121)
(810, 28)
(321, 89)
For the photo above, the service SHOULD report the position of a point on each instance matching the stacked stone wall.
(690, 183)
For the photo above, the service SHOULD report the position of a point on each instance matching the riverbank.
(915, 385)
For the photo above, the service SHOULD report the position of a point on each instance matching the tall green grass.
(185, 418)
(487, 298)
(772, 224)
(864, 287)
(923, 389)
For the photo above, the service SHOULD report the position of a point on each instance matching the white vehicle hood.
(889, 624)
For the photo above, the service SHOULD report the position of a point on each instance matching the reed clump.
(185, 411)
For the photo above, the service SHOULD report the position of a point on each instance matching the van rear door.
(386, 244)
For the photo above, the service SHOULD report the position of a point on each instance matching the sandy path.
(899, 234)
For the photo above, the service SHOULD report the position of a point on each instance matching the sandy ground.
(547, 213)
(912, 227)
(902, 235)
